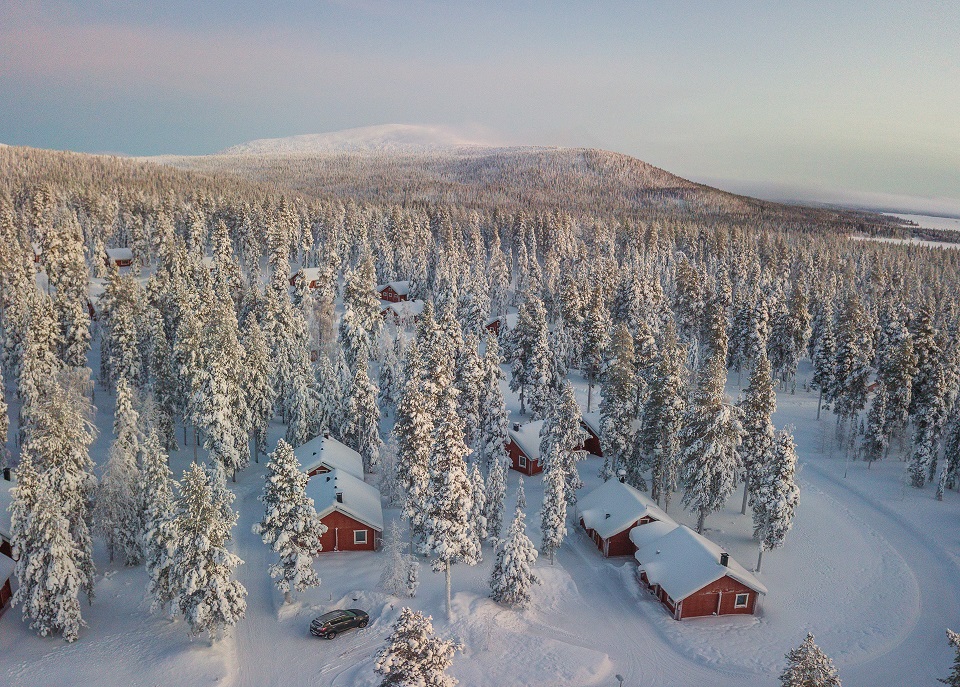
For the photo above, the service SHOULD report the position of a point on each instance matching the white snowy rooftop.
(327, 451)
(404, 309)
(528, 438)
(592, 421)
(7, 566)
(401, 288)
(119, 253)
(683, 562)
(510, 319)
(359, 500)
(310, 274)
(6, 498)
(614, 506)
(641, 535)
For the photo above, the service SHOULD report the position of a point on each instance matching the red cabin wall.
(339, 534)
(5, 548)
(5, 593)
(514, 451)
(704, 602)
(494, 327)
(592, 443)
(323, 469)
(388, 294)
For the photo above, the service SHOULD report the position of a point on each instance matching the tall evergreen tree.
(495, 497)
(808, 666)
(553, 512)
(530, 359)
(512, 576)
(492, 430)
(851, 368)
(414, 431)
(758, 404)
(414, 656)
(363, 415)
(776, 495)
(596, 340)
(618, 410)
(562, 437)
(159, 540)
(258, 385)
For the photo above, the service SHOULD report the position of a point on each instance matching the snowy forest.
(150, 412)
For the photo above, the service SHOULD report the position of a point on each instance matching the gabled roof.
(683, 562)
(592, 422)
(7, 568)
(528, 438)
(328, 451)
(6, 498)
(119, 253)
(614, 506)
(359, 500)
(641, 535)
(404, 308)
(401, 288)
(309, 274)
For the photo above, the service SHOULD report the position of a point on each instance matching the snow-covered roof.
(37, 248)
(509, 318)
(592, 422)
(403, 309)
(310, 274)
(6, 498)
(641, 535)
(401, 288)
(119, 253)
(328, 451)
(7, 567)
(359, 500)
(614, 506)
(528, 438)
(683, 562)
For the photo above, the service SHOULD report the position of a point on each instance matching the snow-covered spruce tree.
(596, 340)
(59, 444)
(37, 357)
(258, 385)
(414, 431)
(492, 432)
(303, 402)
(202, 567)
(330, 399)
(553, 512)
(758, 405)
(824, 353)
(159, 533)
(449, 535)
(618, 408)
(395, 576)
(562, 436)
(663, 417)
(469, 381)
(709, 441)
(48, 579)
(4, 421)
(388, 379)
(364, 419)
(513, 577)
(953, 680)
(413, 656)
(529, 354)
(478, 514)
(851, 367)
(931, 405)
(808, 666)
(118, 515)
(68, 274)
(495, 497)
(290, 525)
(896, 368)
(775, 495)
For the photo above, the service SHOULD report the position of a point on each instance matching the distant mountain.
(388, 139)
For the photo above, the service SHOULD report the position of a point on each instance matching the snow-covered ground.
(930, 221)
(870, 567)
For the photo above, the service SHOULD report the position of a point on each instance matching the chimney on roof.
(339, 497)
(516, 426)
(7, 474)
(622, 475)
(724, 559)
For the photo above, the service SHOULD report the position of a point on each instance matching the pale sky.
(855, 99)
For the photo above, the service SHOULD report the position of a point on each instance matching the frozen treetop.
(641, 535)
(683, 562)
(327, 452)
(527, 437)
(614, 506)
(7, 566)
(401, 288)
(357, 499)
(6, 498)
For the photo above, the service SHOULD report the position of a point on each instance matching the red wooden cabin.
(610, 511)
(350, 508)
(311, 275)
(394, 291)
(523, 447)
(119, 257)
(323, 454)
(7, 568)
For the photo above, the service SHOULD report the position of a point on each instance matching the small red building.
(402, 312)
(590, 422)
(350, 508)
(324, 453)
(120, 257)
(523, 447)
(6, 498)
(498, 323)
(7, 568)
(37, 251)
(693, 577)
(311, 275)
(610, 511)
(394, 291)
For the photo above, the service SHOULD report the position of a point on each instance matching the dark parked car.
(329, 625)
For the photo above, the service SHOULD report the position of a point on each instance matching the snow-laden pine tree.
(449, 536)
(414, 431)
(758, 405)
(302, 399)
(48, 578)
(388, 378)
(776, 494)
(530, 359)
(413, 656)
(38, 362)
(208, 598)
(396, 574)
(495, 497)
(478, 514)
(258, 385)
(663, 417)
(290, 525)
(808, 666)
(596, 340)
(618, 409)
(824, 353)
(468, 379)
(851, 367)
(330, 399)
(931, 405)
(896, 368)
(492, 430)
(363, 419)
(4, 421)
(159, 532)
(953, 679)
(709, 441)
(118, 515)
(512, 577)
(553, 512)
(562, 437)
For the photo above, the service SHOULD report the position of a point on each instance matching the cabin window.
(741, 601)
(359, 536)
(522, 461)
